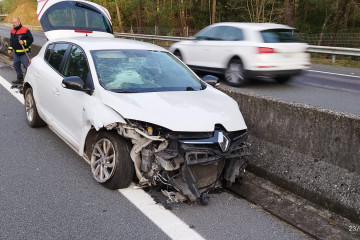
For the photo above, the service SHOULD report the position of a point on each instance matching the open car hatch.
(64, 19)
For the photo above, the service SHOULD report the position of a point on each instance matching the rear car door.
(47, 77)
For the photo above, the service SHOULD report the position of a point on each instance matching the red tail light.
(262, 50)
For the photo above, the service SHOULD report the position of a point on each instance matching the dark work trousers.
(18, 60)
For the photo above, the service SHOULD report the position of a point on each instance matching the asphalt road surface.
(47, 192)
(329, 87)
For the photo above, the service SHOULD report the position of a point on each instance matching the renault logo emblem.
(223, 141)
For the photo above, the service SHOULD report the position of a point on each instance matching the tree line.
(186, 17)
(170, 17)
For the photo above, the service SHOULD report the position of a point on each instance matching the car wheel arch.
(91, 137)
(178, 51)
(26, 87)
(235, 57)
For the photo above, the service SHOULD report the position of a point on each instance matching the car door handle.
(56, 92)
(36, 74)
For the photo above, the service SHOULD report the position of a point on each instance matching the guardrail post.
(333, 58)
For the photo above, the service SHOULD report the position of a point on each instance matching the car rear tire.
(177, 53)
(235, 74)
(283, 79)
(32, 116)
(110, 161)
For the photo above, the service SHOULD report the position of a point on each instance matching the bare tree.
(289, 12)
(213, 12)
(339, 16)
(121, 29)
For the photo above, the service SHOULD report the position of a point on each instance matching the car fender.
(100, 115)
(97, 115)
(181, 47)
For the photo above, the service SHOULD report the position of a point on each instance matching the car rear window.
(71, 15)
(279, 36)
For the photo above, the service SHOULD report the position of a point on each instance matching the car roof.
(104, 43)
(255, 26)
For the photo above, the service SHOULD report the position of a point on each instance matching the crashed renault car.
(131, 109)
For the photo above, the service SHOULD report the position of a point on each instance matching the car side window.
(211, 34)
(231, 34)
(48, 51)
(76, 64)
(57, 54)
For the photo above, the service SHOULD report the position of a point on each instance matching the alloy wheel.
(103, 160)
(234, 74)
(29, 107)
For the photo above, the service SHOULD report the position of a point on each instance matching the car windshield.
(279, 36)
(129, 71)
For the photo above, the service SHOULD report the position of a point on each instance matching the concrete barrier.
(4, 44)
(312, 152)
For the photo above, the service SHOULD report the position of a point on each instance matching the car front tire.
(32, 116)
(110, 161)
(235, 74)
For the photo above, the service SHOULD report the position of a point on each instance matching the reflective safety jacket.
(24, 34)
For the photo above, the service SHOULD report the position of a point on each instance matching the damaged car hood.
(186, 111)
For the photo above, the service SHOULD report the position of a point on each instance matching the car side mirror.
(75, 83)
(211, 80)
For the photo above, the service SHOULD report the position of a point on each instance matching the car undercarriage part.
(189, 169)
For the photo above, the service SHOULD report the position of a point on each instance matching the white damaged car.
(131, 109)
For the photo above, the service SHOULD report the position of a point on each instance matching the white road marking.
(170, 224)
(14, 91)
(338, 74)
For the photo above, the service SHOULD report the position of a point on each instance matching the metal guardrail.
(312, 48)
(335, 51)
(154, 38)
(31, 28)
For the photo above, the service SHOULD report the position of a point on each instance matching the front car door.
(70, 103)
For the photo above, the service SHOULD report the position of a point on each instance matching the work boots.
(19, 80)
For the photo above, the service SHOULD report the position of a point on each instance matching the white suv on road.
(241, 51)
(131, 108)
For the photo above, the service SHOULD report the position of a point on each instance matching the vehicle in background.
(132, 108)
(242, 51)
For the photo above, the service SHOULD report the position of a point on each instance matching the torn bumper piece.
(187, 167)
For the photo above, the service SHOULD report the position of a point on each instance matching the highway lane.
(336, 89)
(47, 192)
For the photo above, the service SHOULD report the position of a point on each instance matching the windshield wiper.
(189, 89)
(123, 91)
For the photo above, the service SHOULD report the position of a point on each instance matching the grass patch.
(341, 61)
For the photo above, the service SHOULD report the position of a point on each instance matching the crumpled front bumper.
(208, 160)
